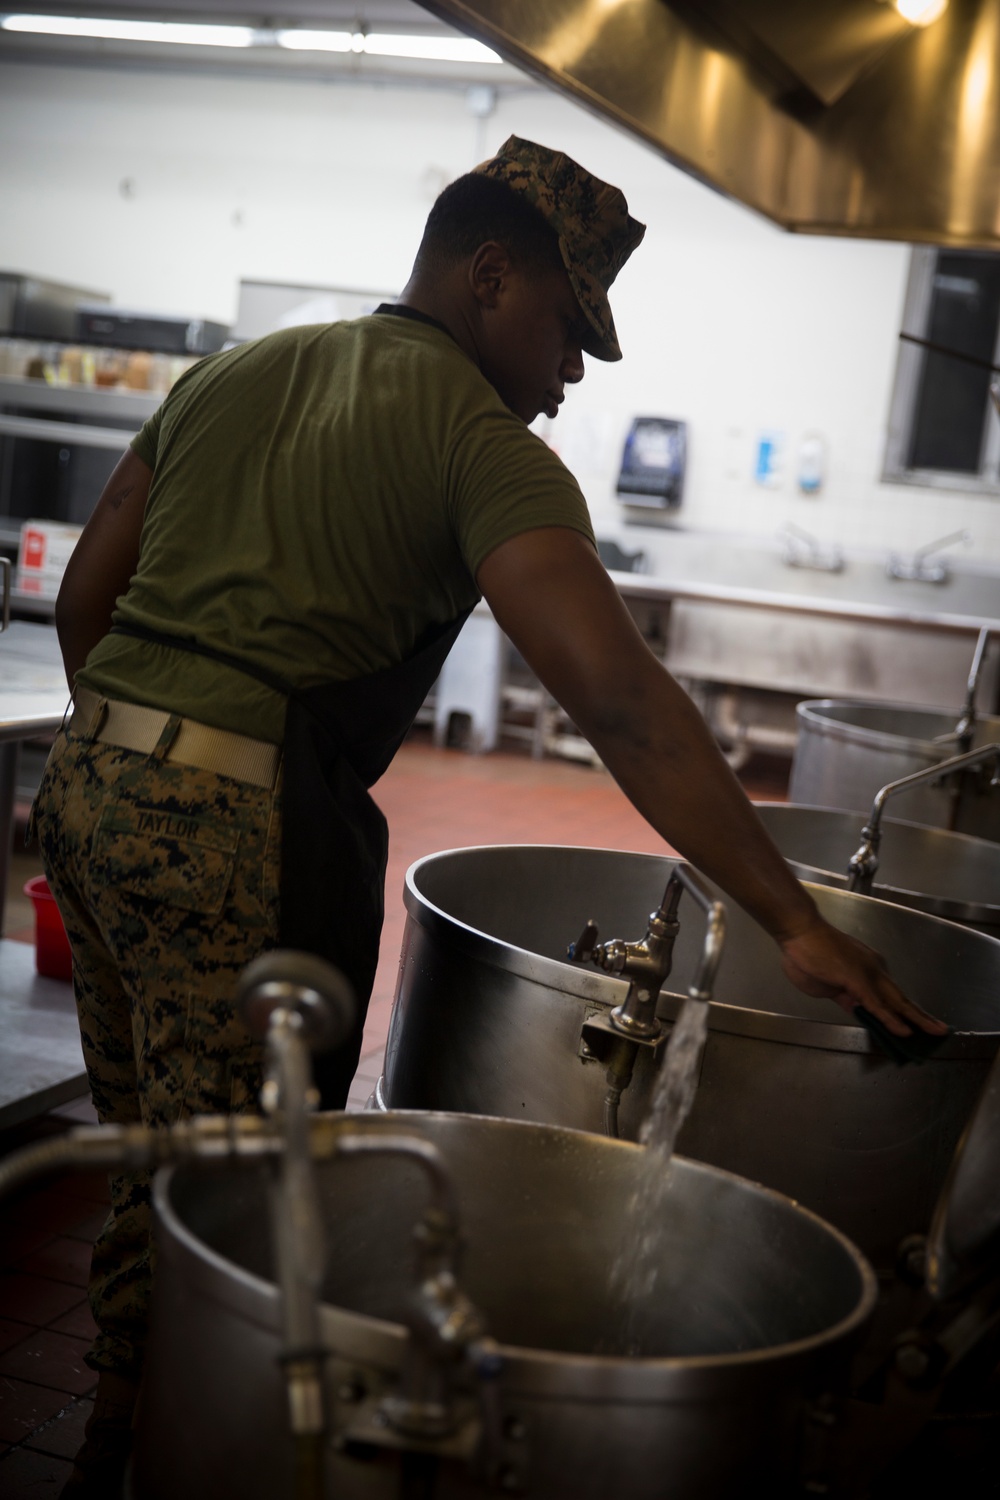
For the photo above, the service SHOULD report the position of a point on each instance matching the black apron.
(339, 739)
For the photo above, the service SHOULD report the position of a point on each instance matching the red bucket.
(52, 955)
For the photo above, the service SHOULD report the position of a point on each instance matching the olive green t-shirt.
(320, 499)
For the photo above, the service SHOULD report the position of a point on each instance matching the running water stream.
(635, 1269)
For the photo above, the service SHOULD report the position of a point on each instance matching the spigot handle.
(302, 984)
(583, 949)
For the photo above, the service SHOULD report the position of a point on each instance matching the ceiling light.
(921, 12)
(315, 41)
(430, 48)
(458, 49)
(132, 31)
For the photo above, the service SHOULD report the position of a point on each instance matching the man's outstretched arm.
(551, 595)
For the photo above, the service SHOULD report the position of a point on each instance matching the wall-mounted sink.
(734, 614)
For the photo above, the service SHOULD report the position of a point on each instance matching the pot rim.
(591, 987)
(376, 1341)
(950, 908)
(810, 713)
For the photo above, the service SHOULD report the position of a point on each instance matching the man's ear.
(488, 272)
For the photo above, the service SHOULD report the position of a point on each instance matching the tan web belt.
(171, 738)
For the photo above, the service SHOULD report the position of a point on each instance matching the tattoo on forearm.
(120, 496)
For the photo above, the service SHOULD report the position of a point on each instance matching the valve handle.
(583, 949)
(302, 983)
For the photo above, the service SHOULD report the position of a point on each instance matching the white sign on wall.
(45, 549)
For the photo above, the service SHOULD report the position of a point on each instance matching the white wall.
(725, 321)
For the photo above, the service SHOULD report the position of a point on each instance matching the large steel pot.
(948, 874)
(846, 751)
(757, 1308)
(793, 1092)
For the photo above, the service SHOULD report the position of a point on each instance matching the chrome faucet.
(966, 726)
(917, 569)
(615, 1038)
(800, 549)
(863, 863)
(296, 1002)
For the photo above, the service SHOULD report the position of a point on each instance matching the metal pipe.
(297, 1001)
(427, 1156)
(296, 1224)
(133, 1148)
(618, 1077)
(863, 863)
(446, 1327)
(702, 985)
(966, 725)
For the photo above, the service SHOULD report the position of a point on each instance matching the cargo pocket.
(226, 1071)
(164, 857)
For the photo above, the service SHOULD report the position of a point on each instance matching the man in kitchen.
(261, 600)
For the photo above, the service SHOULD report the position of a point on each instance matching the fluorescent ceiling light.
(921, 12)
(132, 31)
(430, 48)
(316, 41)
(458, 49)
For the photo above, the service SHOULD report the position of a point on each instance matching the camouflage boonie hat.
(596, 232)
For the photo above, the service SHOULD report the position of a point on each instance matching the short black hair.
(474, 209)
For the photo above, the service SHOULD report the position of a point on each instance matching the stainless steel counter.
(715, 569)
(723, 611)
(969, 602)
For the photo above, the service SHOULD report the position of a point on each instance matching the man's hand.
(551, 595)
(831, 965)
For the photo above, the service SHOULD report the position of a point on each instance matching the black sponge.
(902, 1049)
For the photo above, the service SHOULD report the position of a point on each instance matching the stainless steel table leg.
(8, 790)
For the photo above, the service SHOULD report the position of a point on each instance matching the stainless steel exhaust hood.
(827, 116)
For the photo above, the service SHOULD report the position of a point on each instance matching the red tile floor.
(433, 799)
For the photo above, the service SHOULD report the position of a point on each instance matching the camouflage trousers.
(167, 881)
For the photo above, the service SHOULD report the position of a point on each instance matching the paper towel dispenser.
(652, 468)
